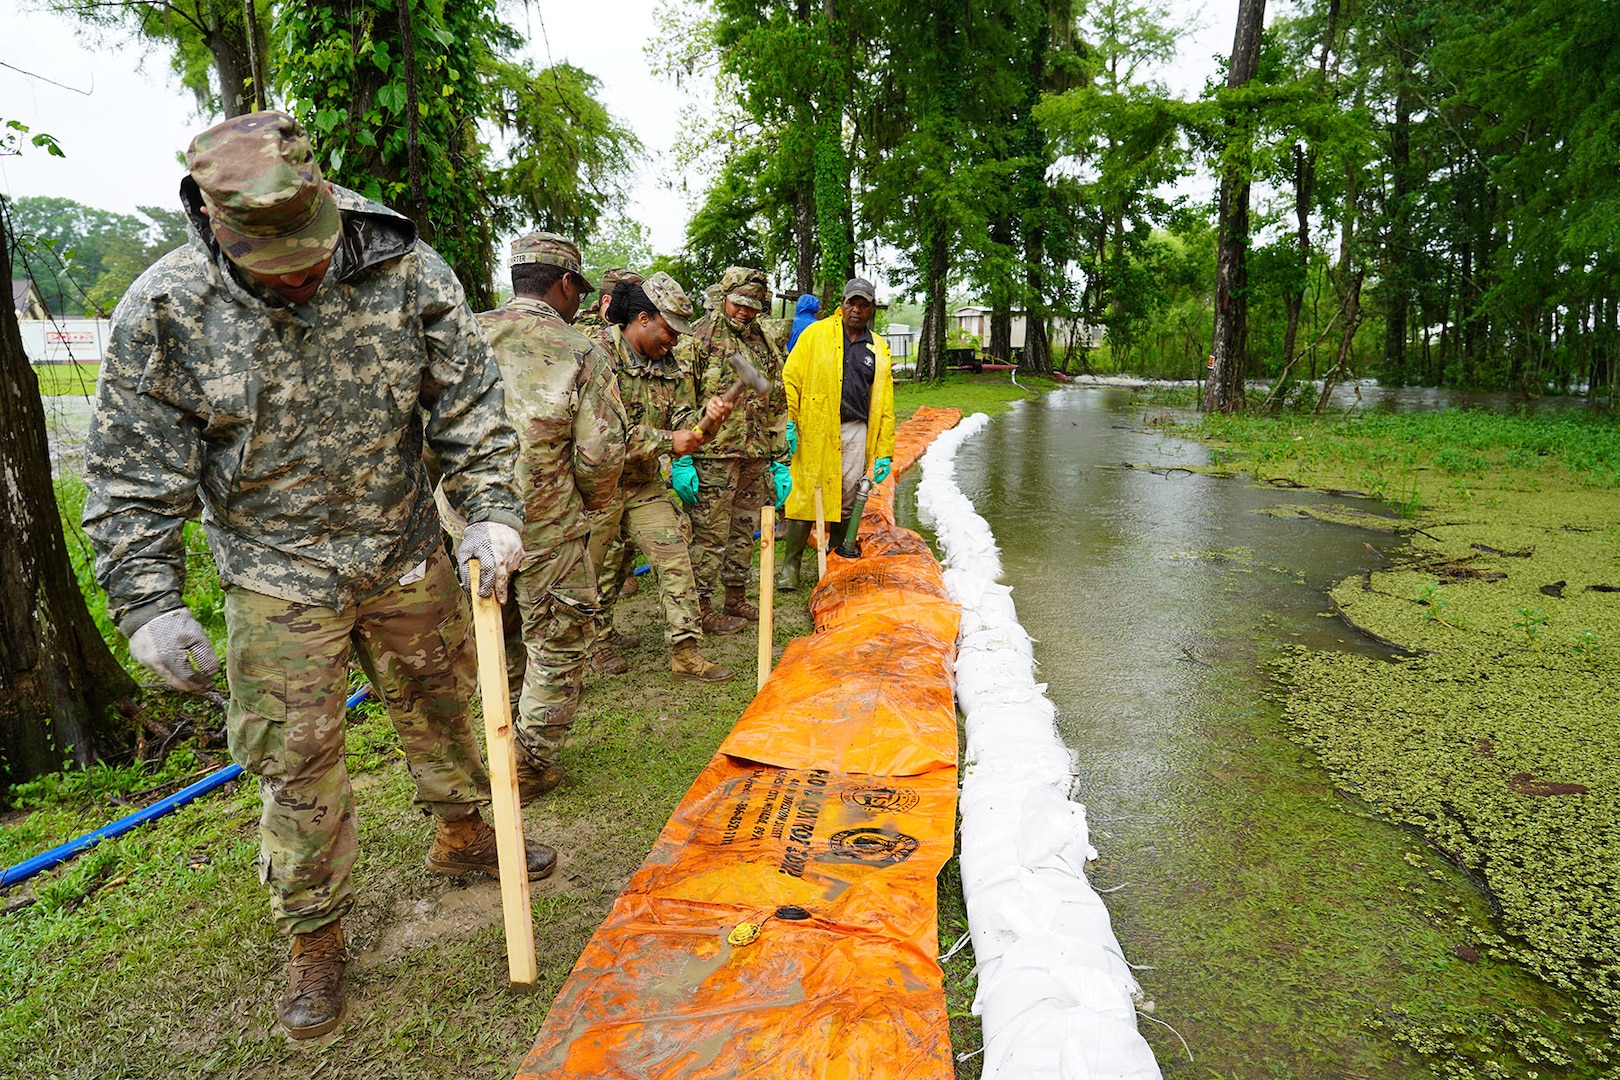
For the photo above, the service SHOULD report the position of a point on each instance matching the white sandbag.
(1056, 998)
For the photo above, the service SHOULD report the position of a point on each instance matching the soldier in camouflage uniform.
(620, 552)
(658, 399)
(279, 376)
(734, 467)
(561, 397)
(593, 320)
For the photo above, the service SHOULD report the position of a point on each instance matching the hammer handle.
(733, 392)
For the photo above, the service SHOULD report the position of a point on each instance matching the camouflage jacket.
(562, 399)
(658, 402)
(757, 426)
(296, 431)
(588, 322)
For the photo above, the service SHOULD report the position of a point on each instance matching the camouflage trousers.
(288, 669)
(660, 530)
(724, 520)
(619, 557)
(550, 623)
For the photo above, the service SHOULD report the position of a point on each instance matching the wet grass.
(1490, 739)
(153, 955)
(78, 380)
(991, 392)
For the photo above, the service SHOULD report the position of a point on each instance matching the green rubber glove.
(784, 482)
(792, 439)
(880, 470)
(683, 478)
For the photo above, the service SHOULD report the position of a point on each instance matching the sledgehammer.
(748, 378)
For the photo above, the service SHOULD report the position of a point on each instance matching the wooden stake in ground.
(503, 788)
(767, 566)
(821, 536)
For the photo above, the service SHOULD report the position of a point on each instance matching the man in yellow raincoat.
(840, 405)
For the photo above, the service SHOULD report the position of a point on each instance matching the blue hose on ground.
(62, 853)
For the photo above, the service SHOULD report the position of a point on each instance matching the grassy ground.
(153, 955)
(76, 379)
(1491, 735)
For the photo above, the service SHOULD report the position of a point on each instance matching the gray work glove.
(174, 646)
(498, 549)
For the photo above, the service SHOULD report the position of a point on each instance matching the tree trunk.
(804, 237)
(1037, 347)
(931, 345)
(1398, 276)
(1294, 299)
(1224, 390)
(1352, 319)
(60, 688)
(999, 349)
(228, 47)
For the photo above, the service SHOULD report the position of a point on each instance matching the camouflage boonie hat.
(746, 286)
(550, 249)
(670, 300)
(269, 208)
(612, 277)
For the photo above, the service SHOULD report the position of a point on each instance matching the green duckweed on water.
(1492, 734)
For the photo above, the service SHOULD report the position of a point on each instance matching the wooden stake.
(767, 568)
(821, 536)
(508, 811)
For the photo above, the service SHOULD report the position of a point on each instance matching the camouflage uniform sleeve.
(466, 422)
(600, 428)
(143, 462)
(684, 412)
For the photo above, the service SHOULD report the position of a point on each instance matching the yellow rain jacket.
(814, 377)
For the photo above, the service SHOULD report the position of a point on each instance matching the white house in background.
(901, 339)
(64, 341)
(26, 300)
(1061, 332)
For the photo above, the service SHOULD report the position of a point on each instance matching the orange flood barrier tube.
(784, 924)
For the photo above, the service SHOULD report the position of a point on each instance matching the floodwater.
(1282, 931)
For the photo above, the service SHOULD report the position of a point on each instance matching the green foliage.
(621, 241)
(570, 159)
(83, 258)
(209, 43)
(100, 781)
(348, 75)
(12, 132)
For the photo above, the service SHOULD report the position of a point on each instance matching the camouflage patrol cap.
(269, 208)
(670, 300)
(746, 286)
(548, 248)
(612, 277)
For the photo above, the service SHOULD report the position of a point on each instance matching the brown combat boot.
(737, 604)
(631, 586)
(535, 777)
(468, 845)
(312, 1004)
(691, 666)
(606, 659)
(718, 624)
(621, 640)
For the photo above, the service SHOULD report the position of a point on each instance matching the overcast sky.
(123, 119)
